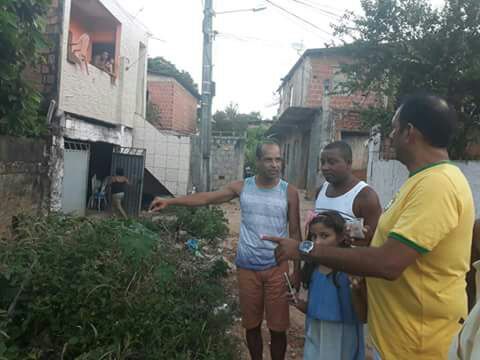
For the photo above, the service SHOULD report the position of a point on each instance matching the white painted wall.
(168, 155)
(81, 130)
(387, 176)
(94, 95)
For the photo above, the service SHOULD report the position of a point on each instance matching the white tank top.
(343, 203)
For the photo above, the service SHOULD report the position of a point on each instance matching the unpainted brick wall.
(178, 108)
(24, 183)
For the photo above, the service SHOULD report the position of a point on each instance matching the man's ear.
(413, 134)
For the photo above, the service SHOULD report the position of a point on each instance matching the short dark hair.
(432, 116)
(261, 144)
(343, 147)
(119, 171)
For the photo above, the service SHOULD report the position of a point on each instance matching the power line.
(323, 5)
(304, 26)
(326, 12)
(298, 17)
(251, 38)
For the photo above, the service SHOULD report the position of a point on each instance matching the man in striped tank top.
(268, 205)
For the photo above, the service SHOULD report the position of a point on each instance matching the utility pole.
(207, 95)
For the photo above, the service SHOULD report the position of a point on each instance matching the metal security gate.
(75, 177)
(132, 161)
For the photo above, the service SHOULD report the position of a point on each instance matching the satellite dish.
(298, 47)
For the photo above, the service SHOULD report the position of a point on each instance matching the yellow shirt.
(417, 315)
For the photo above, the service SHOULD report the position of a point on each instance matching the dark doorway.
(100, 163)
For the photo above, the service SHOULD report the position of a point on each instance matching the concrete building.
(168, 137)
(96, 75)
(314, 111)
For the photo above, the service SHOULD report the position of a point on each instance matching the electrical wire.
(252, 39)
(298, 17)
(324, 5)
(325, 12)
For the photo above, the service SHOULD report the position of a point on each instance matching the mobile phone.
(290, 288)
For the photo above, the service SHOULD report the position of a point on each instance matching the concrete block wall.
(227, 160)
(178, 107)
(167, 157)
(295, 148)
(24, 181)
(387, 177)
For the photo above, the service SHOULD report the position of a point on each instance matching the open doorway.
(100, 165)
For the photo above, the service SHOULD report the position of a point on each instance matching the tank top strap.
(323, 189)
(283, 185)
(359, 187)
(248, 183)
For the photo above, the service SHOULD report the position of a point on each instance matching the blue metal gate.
(132, 161)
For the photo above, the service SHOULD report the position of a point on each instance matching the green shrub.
(81, 289)
(207, 223)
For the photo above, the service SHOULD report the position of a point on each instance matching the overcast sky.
(252, 51)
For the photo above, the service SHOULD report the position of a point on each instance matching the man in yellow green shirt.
(420, 252)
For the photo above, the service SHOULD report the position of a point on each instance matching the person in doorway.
(118, 187)
(420, 252)
(102, 61)
(345, 193)
(268, 205)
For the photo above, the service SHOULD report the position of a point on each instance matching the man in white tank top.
(345, 193)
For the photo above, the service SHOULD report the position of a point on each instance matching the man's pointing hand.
(287, 249)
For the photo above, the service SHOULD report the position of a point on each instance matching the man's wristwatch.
(305, 247)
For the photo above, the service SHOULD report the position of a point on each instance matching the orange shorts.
(264, 292)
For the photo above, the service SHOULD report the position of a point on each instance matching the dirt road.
(297, 319)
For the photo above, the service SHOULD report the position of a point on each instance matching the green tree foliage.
(231, 120)
(406, 46)
(164, 67)
(153, 113)
(20, 40)
(207, 223)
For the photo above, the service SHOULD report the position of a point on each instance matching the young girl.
(333, 330)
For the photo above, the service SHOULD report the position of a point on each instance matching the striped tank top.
(263, 212)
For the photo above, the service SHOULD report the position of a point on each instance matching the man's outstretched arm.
(387, 261)
(228, 193)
